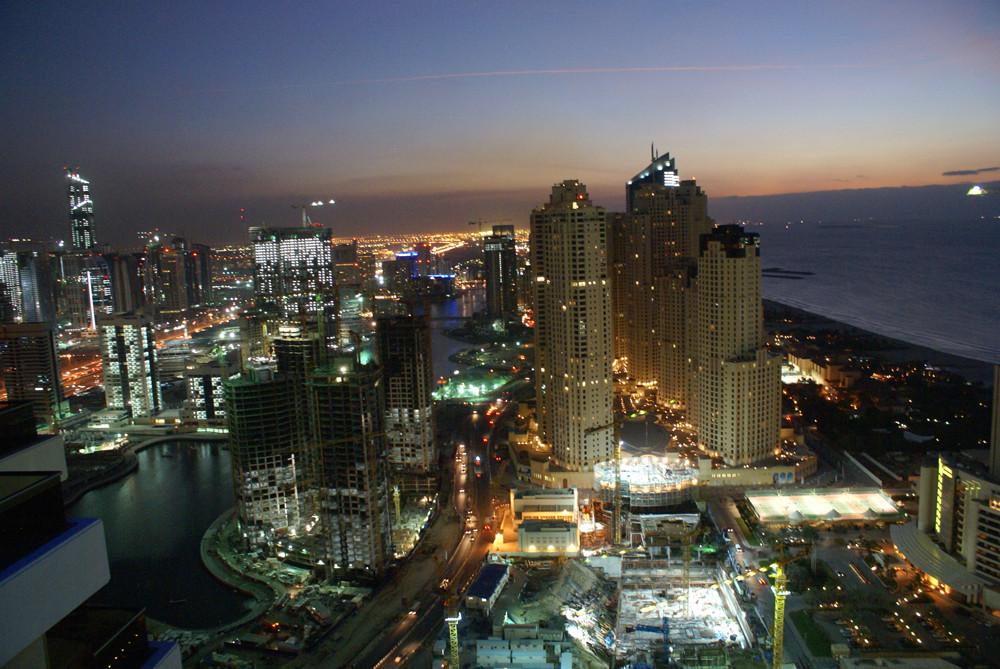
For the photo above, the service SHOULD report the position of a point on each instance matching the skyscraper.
(572, 303)
(737, 407)
(128, 355)
(348, 438)
(405, 352)
(291, 267)
(500, 273)
(30, 367)
(81, 213)
(269, 468)
(654, 260)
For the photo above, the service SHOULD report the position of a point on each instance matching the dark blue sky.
(423, 116)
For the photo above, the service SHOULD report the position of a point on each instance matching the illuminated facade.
(291, 267)
(572, 305)
(737, 382)
(654, 262)
(81, 213)
(128, 355)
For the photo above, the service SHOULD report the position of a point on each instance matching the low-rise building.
(548, 536)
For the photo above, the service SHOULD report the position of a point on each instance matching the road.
(372, 644)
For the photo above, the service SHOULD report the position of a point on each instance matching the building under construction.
(347, 432)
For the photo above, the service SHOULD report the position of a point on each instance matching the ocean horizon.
(929, 283)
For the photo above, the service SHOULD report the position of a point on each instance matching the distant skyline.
(423, 117)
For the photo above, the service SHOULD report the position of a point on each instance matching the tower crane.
(451, 614)
(306, 222)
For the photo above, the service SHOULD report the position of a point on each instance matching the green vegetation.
(815, 636)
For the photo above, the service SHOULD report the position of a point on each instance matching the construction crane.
(480, 222)
(452, 616)
(780, 592)
(304, 207)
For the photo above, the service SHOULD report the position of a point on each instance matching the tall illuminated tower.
(128, 355)
(500, 272)
(292, 266)
(81, 212)
(572, 303)
(737, 409)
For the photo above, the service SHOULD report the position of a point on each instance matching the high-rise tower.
(572, 306)
(269, 466)
(81, 213)
(348, 440)
(128, 355)
(404, 348)
(30, 368)
(737, 408)
(500, 272)
(654, 259)
(292, 266)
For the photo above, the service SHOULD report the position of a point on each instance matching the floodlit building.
(572, 309)
(485, 590)
(405, 354)
(533, 504)
(348, 438)
(81, 212)
(30, 368)
(737, 382)
(128, 356)
(500, 273)
(205, 403)
(548, 536)
(291, 267)
(269, 467)
(28, 287)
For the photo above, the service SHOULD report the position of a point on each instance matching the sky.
(423, 116)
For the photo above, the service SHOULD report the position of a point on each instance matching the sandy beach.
(895, 350)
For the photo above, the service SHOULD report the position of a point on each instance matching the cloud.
(969, 173)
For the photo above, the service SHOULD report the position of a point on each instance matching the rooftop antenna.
(652, 153)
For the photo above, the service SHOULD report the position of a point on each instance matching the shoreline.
(899, 350)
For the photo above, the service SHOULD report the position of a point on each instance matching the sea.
(930, 283)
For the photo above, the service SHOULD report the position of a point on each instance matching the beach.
(894, 350)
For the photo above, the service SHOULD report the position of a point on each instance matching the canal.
(154, 520)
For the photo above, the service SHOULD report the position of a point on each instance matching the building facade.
(270, 470)
(404, 345)
(81, 213)
(500, 273)
(348, 437)
(128, 355)
(572, 308)
(30, 367)
(737, 411)
(291, 267)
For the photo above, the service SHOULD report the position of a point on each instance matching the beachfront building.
(654, 251)
(955, 540)
(572, 308)
(737, 381)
